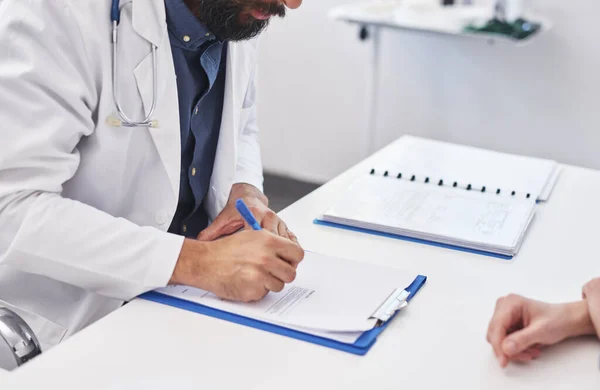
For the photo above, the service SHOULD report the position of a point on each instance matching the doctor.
(113, 163)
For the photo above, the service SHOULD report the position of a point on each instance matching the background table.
(437, 342)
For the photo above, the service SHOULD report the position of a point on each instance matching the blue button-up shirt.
(199, 60)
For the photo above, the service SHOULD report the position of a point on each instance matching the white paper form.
(328, 295)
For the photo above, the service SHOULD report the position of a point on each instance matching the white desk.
(437, 342)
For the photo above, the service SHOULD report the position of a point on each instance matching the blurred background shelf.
(426, 18)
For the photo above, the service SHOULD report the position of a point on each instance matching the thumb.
(521, 340)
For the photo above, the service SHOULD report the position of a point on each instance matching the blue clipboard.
(360, 347)
(417, 240)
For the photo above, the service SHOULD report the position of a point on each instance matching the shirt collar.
(190, 34)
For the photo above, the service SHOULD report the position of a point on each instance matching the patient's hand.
(521, 326)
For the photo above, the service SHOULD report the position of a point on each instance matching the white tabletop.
(437, 342)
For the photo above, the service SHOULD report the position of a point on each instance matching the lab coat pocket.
(49, 333)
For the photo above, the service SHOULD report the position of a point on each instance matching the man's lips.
(259, 14)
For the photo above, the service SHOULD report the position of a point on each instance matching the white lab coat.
(84, 207)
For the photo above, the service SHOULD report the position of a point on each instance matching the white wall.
(539, 100)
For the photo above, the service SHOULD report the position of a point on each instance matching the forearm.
(72, 242)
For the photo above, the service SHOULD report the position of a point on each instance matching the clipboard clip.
(396, 301)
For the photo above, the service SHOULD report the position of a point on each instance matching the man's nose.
(292, 4)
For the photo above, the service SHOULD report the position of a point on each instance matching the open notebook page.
(468, 165)
(328, 295)
(428, 211)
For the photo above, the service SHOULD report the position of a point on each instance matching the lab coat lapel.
(149, 21)
(225, 161)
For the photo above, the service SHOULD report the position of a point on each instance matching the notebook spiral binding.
(442, 182)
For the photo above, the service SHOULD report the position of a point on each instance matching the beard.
(230, 20)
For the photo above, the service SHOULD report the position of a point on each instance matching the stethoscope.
(124, 120)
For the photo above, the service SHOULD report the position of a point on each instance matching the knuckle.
(490, 332)
(264, 260)
(513, 298)
(260, 293)
(297, 255)
(271, 240)
(253, 277)
(301, 254)
(258, 212)
(290, 276)
(246, 296)
(252, 294)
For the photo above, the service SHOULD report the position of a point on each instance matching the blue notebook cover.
(417, 240)
(360, 347)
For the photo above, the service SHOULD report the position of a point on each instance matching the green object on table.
(519, 29)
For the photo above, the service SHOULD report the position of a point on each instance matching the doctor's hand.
(242, 267)
(230, 221)
(521, 326)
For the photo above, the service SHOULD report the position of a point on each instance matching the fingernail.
(510, 347)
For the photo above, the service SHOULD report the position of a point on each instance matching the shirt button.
(186, 38)
(161, 217)
(184, 228)
(193, 171)
(196, 110)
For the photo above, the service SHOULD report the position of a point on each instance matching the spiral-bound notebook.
(449, 195)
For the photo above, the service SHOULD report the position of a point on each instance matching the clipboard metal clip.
(396, 301)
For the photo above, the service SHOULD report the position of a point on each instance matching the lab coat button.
(161, 217)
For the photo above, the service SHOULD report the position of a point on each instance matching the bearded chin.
(239, 31)
(228, 19)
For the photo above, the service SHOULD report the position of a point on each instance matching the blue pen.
(247, 214)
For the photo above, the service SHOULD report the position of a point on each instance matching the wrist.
(579, 320)
(191, 263)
